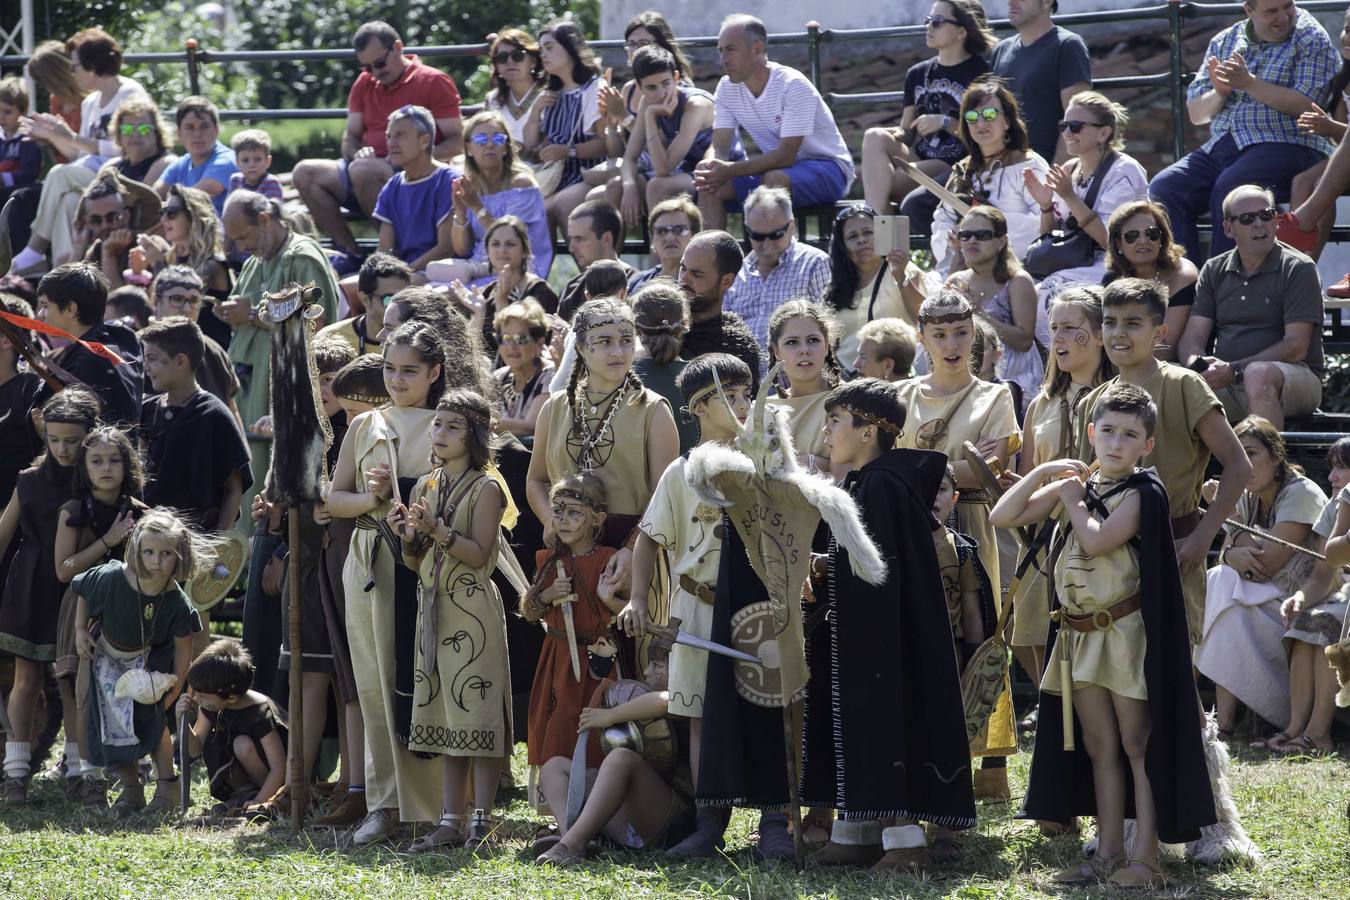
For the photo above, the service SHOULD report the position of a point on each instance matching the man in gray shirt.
(1262, 302)
(1044, 66)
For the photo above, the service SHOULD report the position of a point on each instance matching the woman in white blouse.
(517, 78)
(1094, 135)
(994, 172)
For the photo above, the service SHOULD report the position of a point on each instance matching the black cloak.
(190, 452)
(743, 745)
(885, 733)
(1061, 785)
(119, 387)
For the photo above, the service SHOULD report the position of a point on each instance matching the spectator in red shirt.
(388, 81)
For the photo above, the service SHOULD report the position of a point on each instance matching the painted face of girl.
(63, 442)
(407, 377)
(575, 522)
(1077, 348)
(105, 467)
(449, 433)
(802, 348)
(609, 349)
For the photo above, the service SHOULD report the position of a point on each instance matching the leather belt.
(975, 496)
(698, 589)
(582, 639)
(1182, 526)
(1102, 619)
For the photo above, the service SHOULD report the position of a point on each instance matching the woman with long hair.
(192, 237)
(866, 286)
(804, 337)
(564, 130)
(142, 140)
(508, 259)
(929, 133)
(1094, 136)
(517, 79)
(1241, 649)
(495, 183)
(50, 67)
(1003, 295)
(999, 152)
(1140, 245)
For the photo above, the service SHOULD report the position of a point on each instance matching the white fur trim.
(856, 833)
(1227, 839)
(839, 511)
(903, 837)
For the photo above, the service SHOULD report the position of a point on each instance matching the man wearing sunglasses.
(779, 267)
(1257, 78)
(208, 165)
(800, 145)
(1262, 304)
(389, 81)
(1044, 65)
(111, 212)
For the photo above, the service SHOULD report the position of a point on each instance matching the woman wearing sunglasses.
(866, 286)
(928, 133)
(1140, 245)
(999, 153)
(192, 238)
(517, 78)
(143, 140)
(495, 184)
(1094, 137)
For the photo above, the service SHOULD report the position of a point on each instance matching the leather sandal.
(1088, 871)
(559, 855)
(1128, 877)
(1274, 742)
(446, 835)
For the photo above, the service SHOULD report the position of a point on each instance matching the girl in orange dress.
(571, 572)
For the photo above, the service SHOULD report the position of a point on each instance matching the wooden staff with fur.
(296, 478)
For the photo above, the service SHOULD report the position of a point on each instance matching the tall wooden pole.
(296, 749)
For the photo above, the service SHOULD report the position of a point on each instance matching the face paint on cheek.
(1081, 339)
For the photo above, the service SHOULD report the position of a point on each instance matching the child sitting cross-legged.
(236, 730)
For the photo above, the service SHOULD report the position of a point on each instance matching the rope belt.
(367, 522)
(699, 590)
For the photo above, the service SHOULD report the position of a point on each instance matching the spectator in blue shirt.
(208, 164)
(1258, 77)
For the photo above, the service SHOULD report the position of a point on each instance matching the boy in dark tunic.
(885, 735)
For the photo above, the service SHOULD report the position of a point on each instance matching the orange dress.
(557, 698)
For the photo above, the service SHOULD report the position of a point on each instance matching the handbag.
(1070, 247)
(549, 175)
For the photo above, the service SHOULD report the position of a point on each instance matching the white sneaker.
(378, 825)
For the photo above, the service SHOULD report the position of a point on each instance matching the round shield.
(209, 587)
(754, 630)
(653, 740)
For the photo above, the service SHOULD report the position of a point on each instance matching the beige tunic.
(690, 532)
(1179, 455)
(806, 416)
(463, 706)
(1113, 658)
(945, 423)
(620, 453)
(395, 778)
(1052, 438)
(1299, 500)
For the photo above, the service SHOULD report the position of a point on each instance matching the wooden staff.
(49, 371)
(956, 203)
(296, 747)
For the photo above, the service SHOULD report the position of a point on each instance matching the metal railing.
(814, 38)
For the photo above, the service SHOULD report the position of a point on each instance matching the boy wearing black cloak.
(885, 734)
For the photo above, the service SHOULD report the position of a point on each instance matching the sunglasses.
(143, 130)
(378, 64)
(496, 139)
(980, 234)
(95, 221)
(501, 57)
(1076, 127)
(761, 236)
(663, 230)
(1248, 218)
(631, 46)
(181, 301)
(1152, 233)
(856, 209)
(514, 340)
(169, 212)
(938, 21)
(990, 113)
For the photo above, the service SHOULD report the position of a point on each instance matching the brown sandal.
(1125, 878)
(1273, 743)
(1088, 871)
(446, 836)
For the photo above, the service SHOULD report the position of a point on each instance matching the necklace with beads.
(590, 441)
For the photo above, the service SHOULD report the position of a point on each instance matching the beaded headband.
(356, 397)
(870, 419)
(578, 496)
(601, 323)
(963, 311)
(471, 415)
(704, 392)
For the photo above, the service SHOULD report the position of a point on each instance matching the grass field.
(1294, 809)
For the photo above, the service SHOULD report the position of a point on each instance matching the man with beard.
(111, 212)
(707, 269)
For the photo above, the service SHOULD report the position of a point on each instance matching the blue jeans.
(1200, 180)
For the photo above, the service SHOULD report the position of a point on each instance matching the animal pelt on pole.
(301, 433)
